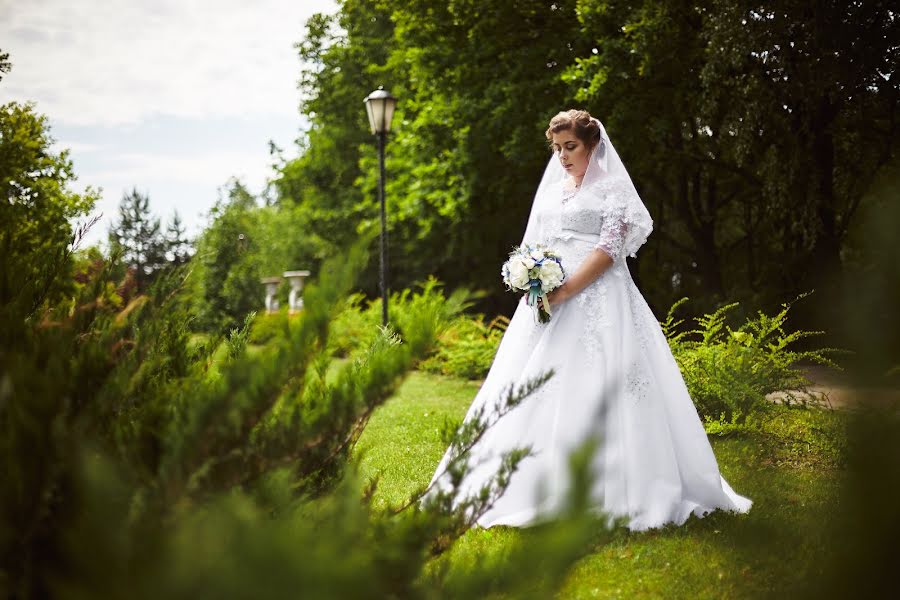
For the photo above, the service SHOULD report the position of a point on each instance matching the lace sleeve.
(612, 237)
(625, 221)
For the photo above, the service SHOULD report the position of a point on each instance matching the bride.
(615, 377)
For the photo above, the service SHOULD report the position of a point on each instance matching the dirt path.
(841, 392)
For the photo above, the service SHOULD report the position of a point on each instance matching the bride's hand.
(556, 296)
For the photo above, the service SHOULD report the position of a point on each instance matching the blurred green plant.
(359, 321)
(858, 558)
(192, 465)
(266, 327)
(467, 347)
(226, 284)
(354, 325)
(464, 347)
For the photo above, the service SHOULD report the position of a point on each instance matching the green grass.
(788, 461)
(401, 443)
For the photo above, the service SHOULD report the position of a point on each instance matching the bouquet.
(536, 270)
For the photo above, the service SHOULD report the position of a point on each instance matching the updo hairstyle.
(586, 129)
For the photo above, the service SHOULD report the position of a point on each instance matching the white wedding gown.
(615, 377)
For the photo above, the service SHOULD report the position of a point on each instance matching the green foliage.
(243, 243)
(359, 321)
(36, 213)
(167, 453)
(692, 96)
(139, 251)
(465, 150)
(138, 239)
(465, 345)
(266, 327)
(227, 285)
(767, 66)
(239, 337)
(467, 348)
(178, 247)
(355, 325)
(318, 188)
(728, 371)
(430, 303)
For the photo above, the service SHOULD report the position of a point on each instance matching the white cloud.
(118, 62)
(185, 178)
(170, 96)
(201, 169)
(76, 147)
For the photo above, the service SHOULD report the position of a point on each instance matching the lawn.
(788, 462)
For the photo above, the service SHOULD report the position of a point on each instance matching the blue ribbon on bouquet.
(535, 292)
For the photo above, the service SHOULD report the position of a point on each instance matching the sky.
(172, 97)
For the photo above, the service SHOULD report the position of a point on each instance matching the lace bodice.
(601, 214)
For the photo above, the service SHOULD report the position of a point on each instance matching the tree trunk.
(704, 223)
(825, 258)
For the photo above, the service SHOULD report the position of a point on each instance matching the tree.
(484, 80)
(808, 96)
(178, 247)
(643, 73)
(228, 256)
(120, 431)
(741, 143)
(739, 124)
(37, 211)
(138, 237)
(478, 81)
(339, 70)
(5, 65)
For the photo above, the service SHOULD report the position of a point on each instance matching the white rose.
(551, 275)
(518, 274)
(529, 262)
(537, 255)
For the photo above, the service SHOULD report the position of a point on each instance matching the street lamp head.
(380, 107)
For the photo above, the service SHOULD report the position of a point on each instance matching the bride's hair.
(586, 129)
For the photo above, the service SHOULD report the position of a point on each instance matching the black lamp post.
(380, 107)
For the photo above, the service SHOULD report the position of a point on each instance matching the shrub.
(467, 347)
(464, 347)
(358, 322)
(355, 325)
(814, 439)
(266, 327)
(728, 371)
(116, 436)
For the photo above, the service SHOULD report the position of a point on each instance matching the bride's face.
(573, 154)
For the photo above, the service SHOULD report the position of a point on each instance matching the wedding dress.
(615, 377)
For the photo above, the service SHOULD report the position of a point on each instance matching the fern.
(730, 371)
